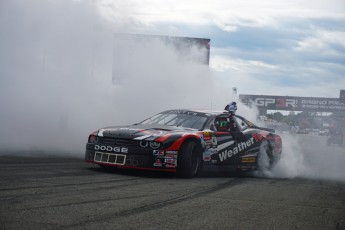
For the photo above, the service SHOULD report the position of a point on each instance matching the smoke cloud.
(309, 156)
(56, 84)
(56, 65)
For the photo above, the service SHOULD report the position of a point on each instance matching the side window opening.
(241, 124)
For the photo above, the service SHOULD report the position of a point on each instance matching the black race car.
(186, 142)
(335, 137)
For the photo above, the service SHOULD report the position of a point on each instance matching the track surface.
(66, 193)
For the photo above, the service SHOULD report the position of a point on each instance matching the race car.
(335, 137)
(186, 142)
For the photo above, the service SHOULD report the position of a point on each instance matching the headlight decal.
(155, 144)
(144, 143)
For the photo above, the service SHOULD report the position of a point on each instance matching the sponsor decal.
(206, 158)
(207, 135)
(248, 159)
(208, 153)
(170, 160)
(257, 137)
(214, 141)
(170, 166)
(323, 104)
(277, 102)
(171, 156)
(171, 152)
(264, 101)
(184, 112)
(129, 129)
(225, 145)
(158, 152)
(246, 167)
(202, 141)
(207, 139)
(111, 149)
(286, 103)
(157, 163)
(238, 148)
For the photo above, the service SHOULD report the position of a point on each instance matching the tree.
(278, 116)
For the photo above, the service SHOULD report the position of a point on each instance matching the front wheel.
(189, 160)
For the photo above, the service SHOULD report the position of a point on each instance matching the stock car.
(186, 142)
(335, 137)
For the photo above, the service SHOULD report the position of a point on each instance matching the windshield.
(177, 119)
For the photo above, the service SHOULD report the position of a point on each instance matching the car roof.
(202, 111)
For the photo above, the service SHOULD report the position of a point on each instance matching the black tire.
(189, 160)
(265, 157)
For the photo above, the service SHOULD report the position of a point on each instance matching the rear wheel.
(189, 160)
(265, 157)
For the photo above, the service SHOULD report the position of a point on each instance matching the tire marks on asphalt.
(191, 194)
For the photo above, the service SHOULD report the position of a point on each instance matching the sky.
(57, 61)
(294, 48)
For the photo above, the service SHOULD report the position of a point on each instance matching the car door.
(231, 142)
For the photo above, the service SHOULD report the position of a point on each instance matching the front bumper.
(158, 160)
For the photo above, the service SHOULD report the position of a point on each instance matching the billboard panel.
(312, 104)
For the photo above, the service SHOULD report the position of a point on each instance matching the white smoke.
(56, 64)
(309, 156)
(292, 163)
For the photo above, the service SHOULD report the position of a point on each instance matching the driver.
(227, 123)
(232, 108)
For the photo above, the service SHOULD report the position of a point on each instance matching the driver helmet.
(222, 124)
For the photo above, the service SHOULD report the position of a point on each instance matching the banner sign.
(313, 104)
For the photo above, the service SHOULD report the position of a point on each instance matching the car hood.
(141, 132)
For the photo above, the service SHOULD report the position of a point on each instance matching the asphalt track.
(50, 192)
